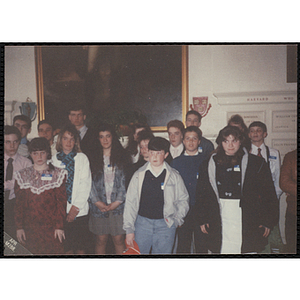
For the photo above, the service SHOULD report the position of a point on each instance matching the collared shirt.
(82, 131)
(254, 150)
(24, 140)
(186, 154)
(176, 151)
(274, 160)
(152, 171)
(19, 162)
(53, 146)
(23, 150)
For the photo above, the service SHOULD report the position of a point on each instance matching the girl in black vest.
(236, 204)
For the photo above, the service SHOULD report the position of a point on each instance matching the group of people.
(77, 190)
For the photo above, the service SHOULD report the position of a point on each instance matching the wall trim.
(260, 97)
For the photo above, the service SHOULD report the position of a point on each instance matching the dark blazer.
(258, 202)
(90, 146)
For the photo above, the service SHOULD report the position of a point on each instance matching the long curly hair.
(119, 156)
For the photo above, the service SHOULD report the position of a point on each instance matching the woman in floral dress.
(41, 201)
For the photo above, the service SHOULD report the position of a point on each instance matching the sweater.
(188, 168)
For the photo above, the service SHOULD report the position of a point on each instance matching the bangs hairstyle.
(227, 131)
(223, 134)
(40, 144)
(71, 129)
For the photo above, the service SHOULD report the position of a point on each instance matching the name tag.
(109, 168)
(162, 185)
(272, 157)
(46, 176)
(197, 175)
(200, 149)
(237, 168)
(62, 165)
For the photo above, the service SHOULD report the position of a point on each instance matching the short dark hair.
(262, 125)
(193, 112)
(227, 131)
(237, 119)
(40, 144)
(193, 129)
(144, 135)
(176, 123)
(159, 143)
(220, 152)
(12, 130)
(77, 106)
(22, 118)
(45, 122)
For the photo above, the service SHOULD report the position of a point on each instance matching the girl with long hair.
(70, 158)
(236, 203)
(108, 192)
(41, 201)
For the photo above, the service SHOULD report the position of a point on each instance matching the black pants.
(185, 235)
(9, 217)
(77, 234)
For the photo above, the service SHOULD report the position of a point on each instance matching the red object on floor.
(132, 250)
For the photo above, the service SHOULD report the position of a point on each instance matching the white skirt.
(231, 216)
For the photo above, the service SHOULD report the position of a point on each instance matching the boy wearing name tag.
(193, 118)
(156, 202)
(187, 164)
(257, 134)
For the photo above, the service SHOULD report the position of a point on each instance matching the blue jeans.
(154, 233)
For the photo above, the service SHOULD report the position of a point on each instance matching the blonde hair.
(71, 129)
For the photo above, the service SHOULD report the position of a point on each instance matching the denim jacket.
(98, 193)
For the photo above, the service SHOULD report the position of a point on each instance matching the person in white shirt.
(78, 186)
(257, 134)
(175, 131)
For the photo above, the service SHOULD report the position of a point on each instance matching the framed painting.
(127, 82)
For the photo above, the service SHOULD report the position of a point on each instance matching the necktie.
(9, 169)
(259, 152)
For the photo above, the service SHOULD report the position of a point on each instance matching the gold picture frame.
(41, 84)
